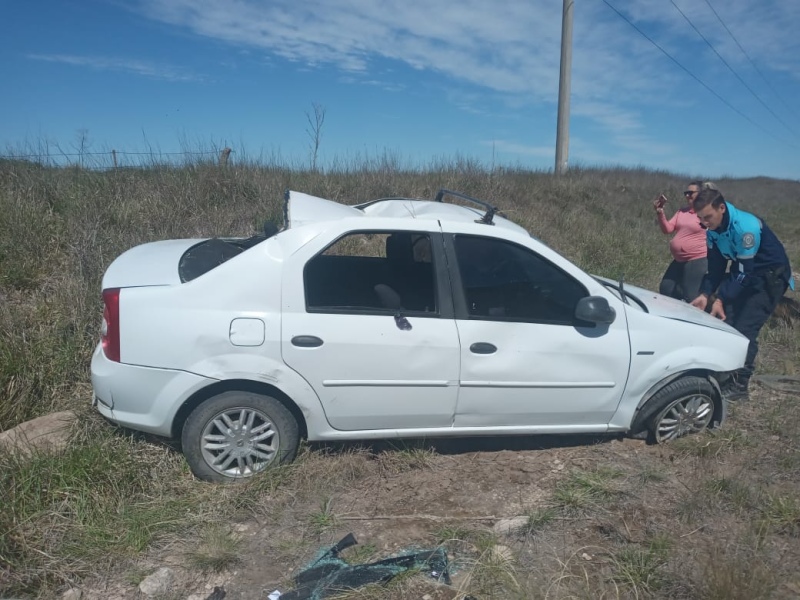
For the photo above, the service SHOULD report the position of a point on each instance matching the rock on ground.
(50, 433)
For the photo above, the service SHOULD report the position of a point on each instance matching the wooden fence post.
(114, 157)
(223, 157)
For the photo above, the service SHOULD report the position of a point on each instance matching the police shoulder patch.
(748, 240)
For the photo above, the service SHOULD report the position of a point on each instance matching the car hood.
(669, 308)
(155, 263)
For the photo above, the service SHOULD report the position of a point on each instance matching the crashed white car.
(395, 318)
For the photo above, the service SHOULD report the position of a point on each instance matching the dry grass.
(715, 516)
(217, 549)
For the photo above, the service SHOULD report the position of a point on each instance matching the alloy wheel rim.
(690, 414)
(239, 442)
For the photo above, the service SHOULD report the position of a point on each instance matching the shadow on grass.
(465, 445)
(439, 445)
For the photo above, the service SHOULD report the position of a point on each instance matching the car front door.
(525, 360)
(368, 322)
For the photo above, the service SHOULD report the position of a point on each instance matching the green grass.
(539, 519)
(714, 443)
(781, 514)
(651, 474)
(582, 490)
(64, 514)
(451, 533)
(324, 518)
(640, 568)
(495, 569)
(734, 491)
(359, 554)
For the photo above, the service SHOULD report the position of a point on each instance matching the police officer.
(758, 277)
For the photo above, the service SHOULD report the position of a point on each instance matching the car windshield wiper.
(624, 294)
(621, 288)
(616, 286)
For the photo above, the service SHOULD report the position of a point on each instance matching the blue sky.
(419, 80)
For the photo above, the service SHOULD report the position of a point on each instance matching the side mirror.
(595, 309)
(391, 299)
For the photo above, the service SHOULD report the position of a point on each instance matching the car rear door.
(367, 320)
(525, 361)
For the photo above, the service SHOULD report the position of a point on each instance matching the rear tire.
(685, 406)
(235, 435)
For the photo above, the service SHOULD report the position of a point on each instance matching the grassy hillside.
(65, 517)
(59, 229)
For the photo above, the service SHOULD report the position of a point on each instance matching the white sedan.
(395, 318)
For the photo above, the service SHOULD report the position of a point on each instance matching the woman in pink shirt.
(688, 247)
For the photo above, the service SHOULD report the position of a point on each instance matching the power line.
(731, 69)
(774, 91)
(696, 78)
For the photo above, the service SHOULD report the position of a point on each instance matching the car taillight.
(109, 332)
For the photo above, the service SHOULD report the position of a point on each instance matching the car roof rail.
(486, 219)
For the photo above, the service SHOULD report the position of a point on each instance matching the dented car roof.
(304, 209)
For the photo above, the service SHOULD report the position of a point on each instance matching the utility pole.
(562, 130)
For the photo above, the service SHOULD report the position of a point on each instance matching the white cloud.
(138, 67)
(512, 49)
(609, 116)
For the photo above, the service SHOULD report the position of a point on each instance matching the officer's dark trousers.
(748, 312)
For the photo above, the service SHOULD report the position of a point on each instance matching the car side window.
(373, 271)
(507, 282)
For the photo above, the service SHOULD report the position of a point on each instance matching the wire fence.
(118, 159)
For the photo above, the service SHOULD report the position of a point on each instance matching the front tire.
(684, 406)
(234, 435)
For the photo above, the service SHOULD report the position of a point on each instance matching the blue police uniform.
(758, 277)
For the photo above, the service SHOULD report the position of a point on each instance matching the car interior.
(348, 281)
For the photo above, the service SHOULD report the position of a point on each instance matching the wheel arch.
(236, 385)
(640, 416)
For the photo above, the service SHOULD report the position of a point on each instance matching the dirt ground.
(454, 492)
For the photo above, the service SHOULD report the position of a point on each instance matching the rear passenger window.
(373, 272)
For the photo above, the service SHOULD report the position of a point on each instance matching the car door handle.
(483, 348)
(306, 341)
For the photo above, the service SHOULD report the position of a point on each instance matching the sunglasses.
(688, 193)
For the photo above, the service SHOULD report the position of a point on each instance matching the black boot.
(736, 389)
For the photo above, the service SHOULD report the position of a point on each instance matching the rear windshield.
(208, 254)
